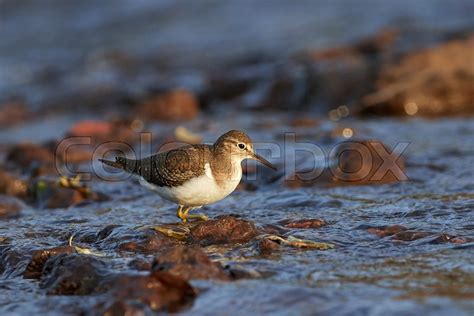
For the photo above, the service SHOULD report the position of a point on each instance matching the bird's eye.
(242, 146)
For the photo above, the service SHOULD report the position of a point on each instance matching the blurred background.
(93, 58)
(187, 71)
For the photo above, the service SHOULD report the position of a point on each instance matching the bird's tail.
(121, 163)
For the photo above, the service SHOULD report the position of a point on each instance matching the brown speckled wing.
(174, 167)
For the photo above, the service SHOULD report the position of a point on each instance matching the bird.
(194, 175)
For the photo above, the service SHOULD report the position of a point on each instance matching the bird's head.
(240, 147)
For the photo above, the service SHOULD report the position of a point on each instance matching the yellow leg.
(180, 214)
(184, 216)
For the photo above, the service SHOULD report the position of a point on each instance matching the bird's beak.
(262, 160)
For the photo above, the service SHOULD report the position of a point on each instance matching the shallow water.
(363, 274)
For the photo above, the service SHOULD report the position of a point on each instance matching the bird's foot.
(182, 213)
(201, 217)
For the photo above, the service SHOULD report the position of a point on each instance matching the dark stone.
(34, 269)
(223, 230)
(188, 262)
(73, 274)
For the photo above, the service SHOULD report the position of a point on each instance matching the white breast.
(198, 191)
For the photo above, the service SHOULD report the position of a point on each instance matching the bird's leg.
(191, 216)
(181, 214)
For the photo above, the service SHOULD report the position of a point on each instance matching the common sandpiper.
(194, 175)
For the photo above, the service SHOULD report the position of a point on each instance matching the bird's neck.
(225, 167)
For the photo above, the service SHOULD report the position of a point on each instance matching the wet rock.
(24, 155)
(383, 231)
(34, 268)
(433, 82)
(73, 274)
(160, 291)
(447, 238)
(10, 207)
(409, 235)
(148, 242)
(304, 223)
(223, 230)
(267, 246)
(175, 105)
(188, 262)
(12, 185)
